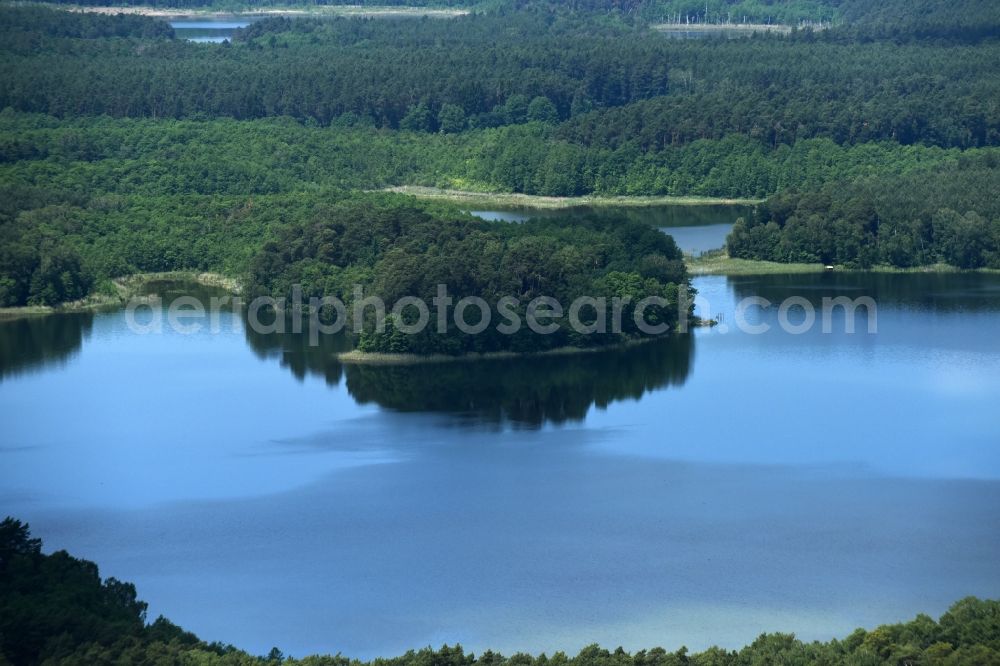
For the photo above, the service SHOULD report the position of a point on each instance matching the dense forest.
(784, 11)
(56, 610)
(89, 200)
(873, 139)
(124, 149)
(616, 82)
(397, 250)
(947, 215)
(48, 160)
(887, 17)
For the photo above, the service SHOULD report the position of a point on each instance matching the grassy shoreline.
(125, 288)
(722, 264)
(554, 203)
(725, 265)
(357, 357)
(130, 286)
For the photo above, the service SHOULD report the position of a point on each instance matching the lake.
(219, 28)
(209, 29)
(695, 490)
(697, 229)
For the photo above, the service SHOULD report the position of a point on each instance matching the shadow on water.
(522, 392)
(526, 392)
(293, 351)
(928, 292)
(32, 343)
(29, 344)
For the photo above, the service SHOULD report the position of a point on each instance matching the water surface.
(208, 29)
(695, 490)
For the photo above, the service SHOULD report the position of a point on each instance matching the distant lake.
(217, 29)
(696, 229)
(208, 30)
(696, 490)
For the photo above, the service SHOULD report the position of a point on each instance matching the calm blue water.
(692, 491)
(208, 30)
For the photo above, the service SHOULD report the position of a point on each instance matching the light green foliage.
(451, 119)
(542, 110)
(396, 249)
(417, 119)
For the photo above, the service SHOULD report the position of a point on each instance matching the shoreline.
(729, 266)
(555, 203)
(349, 11)
(126, 287)
(357, 357)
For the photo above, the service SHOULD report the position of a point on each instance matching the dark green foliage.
(949, 214)
(958, 20)
(27, 26)
(451, 119)
(60, 253)
(526, 392)
(893, 18)
(780, 90)
(51, 603)
(321, 69)
(101, 198)
(757, 10)
(887, 17)
(156, 154)
(532, 97)
(45, 161)
(396, 249)
(39, 266)
(541, 109)
(618, 83)
(417, 119)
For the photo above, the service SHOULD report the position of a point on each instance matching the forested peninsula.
(124, 149)
(56, 609)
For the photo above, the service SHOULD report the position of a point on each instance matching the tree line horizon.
(125, 150)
